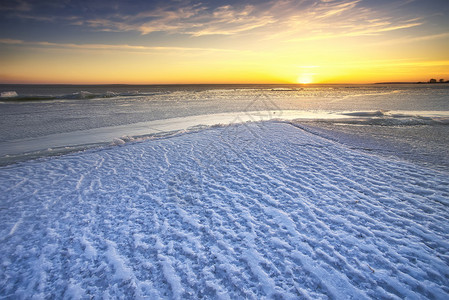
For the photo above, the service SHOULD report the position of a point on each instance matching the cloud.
(361, 30)
(396, 63)
(431, 63)
(290, 20)
(194, 20)
(21, 5)
(110, 47)
(336, 19)
(412, 39)
(332, 9)
(11, 42)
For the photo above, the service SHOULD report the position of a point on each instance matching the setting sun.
(305, 79)
(186, 149)
(195, 42)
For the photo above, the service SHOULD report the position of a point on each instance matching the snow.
(74, 140)
(254, 210)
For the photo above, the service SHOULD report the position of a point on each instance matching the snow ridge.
(261, 210)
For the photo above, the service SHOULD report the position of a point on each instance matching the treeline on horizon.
(432, 80)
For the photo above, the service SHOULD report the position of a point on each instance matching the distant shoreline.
(201, 84)
(419, 82)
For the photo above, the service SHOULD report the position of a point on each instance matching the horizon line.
(180, 84)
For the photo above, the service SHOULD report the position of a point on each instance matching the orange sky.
(307, 41)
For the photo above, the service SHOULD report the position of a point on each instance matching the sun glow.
(305, 79)
(216, 42)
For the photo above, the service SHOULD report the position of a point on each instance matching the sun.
(305, 79)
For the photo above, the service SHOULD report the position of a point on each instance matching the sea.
(399, 121)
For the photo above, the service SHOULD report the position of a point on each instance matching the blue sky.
(272, 26)
(81, 21)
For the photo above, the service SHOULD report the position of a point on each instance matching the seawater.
(409, 121)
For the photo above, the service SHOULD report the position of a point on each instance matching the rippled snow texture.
(262, 210)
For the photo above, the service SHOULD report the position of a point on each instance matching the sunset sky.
(171, 42)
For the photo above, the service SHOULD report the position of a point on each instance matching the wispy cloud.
(412, 39)
(20, 5)
(290, 20)
(287, 19)
(392, 63)
(336, 19)
(122, 47)
(190, 20)
(430, 63)
(354, 31)
(11, 42)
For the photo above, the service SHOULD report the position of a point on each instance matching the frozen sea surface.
(255, 210)
(47, 120)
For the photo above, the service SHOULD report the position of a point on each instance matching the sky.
(189, 42)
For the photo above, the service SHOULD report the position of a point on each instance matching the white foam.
(9, 94)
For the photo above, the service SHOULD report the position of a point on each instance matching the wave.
(9, 94)
(14, 96)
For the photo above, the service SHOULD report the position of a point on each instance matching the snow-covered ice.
(255, 210)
